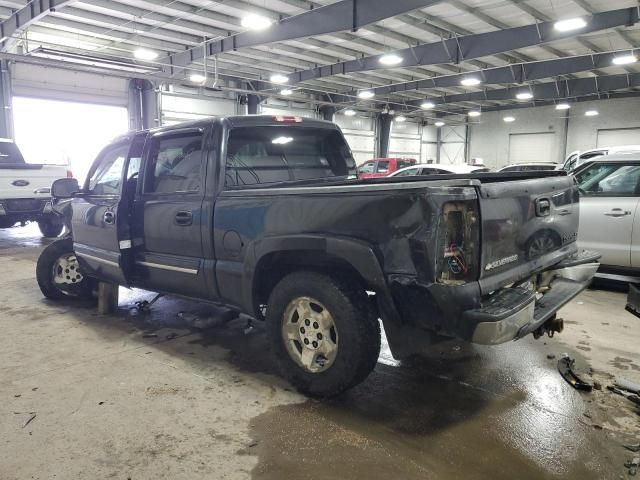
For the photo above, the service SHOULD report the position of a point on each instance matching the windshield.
(9, 154)
(271, 154)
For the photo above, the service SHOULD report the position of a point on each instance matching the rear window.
(271, 154)
(9, 154)
(407, 162)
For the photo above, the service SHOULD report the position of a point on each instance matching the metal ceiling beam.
(460, 49)
(11, 27)
(336, 17)
(564, 89)
(519, 73)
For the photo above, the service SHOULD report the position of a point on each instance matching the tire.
(50, 228)
(354, 340)
(48, 266)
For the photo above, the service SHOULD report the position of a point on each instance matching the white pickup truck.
(25, 190)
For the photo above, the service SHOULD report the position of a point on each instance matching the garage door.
(360, 135)
(531, 147)
(618, 136)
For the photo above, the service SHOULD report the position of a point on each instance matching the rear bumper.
(512, 313)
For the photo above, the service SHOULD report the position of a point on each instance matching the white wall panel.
(405, 140)
(452, 147)
(618, 136)
(59, 84)
(180, 108)
(287, 110)
(360, 135)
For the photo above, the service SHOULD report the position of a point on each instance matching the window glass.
(9, 154)
(405, 163)
(107, 176)
(270, 154)
(610, 180)
(408, 172)
(175, 164)
(368, 167)
(383, 166)
(587, 156)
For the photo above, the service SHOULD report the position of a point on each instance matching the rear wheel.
(323, 333)
(50, 227)
(58, 273)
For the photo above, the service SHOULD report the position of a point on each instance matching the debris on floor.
(29, 420)
(633, 465)
(627, 385)
(212, 321)
(565, 366)
(633, 448)
(628, 395)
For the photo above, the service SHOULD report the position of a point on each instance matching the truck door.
(100, 223)
(170, 215)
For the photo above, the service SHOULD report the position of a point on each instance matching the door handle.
(184, 218)
(617, 212)
(109, 217)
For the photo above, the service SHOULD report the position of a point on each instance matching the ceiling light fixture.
(474, 113)
(590, 113)
(570, 24)
(278, 78)
(144, 54)
(470, 82)
(349, 112)
(366, 94)
(524, 96)
(401, 118)
(427, 104)
(286, 91)
(197, 78)
(439, 124)
(563, 106)
(256, 22)
(509, 119)
(624, 59)
(390, 59)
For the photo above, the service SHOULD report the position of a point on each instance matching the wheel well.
(273, 267)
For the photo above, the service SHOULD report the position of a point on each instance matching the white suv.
(577, 158)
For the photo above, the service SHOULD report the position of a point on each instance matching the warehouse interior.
(161, 393)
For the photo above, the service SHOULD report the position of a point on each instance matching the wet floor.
(463, 412)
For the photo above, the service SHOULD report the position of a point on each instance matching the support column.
(438, 143)
(143, 105)
(327, 112)
(383, 135)
(6, 117)
(252, 104)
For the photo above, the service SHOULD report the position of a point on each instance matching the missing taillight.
(457, 255)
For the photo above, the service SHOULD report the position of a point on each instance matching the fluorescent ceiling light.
(439, 124)
(563, 106)
(509, 119)
(470, 81)
(390, 59)
(426, 105)
(256, 22)
(349, 113)
(366, 94)
(591, 113)
(278, 78)
(197, 78)
(570, 24)
(282, 140)
(144, 54)
(401, 118)
(96, 61)
(474, 113)
(624, 59)
(286, 91)
(524, 95)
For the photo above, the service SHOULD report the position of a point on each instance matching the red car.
(383, 167)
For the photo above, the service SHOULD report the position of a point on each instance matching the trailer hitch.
(550, 327)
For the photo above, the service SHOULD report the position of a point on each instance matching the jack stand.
(145, 306)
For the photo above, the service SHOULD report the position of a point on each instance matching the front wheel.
(58, 273)
(323, 333)
(50, 228)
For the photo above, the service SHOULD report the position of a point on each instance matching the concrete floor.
(144, 396)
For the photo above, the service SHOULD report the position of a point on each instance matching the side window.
(612, 180)
(383, 166)
(368, 167)
(408, 172)
(107, 175)
(174, 164)
(405, 163)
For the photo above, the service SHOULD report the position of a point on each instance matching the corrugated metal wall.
(405, 140)
(360, 134)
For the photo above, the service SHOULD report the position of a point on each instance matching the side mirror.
(64, 188)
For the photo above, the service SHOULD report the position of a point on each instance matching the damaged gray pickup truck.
(265, 214)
